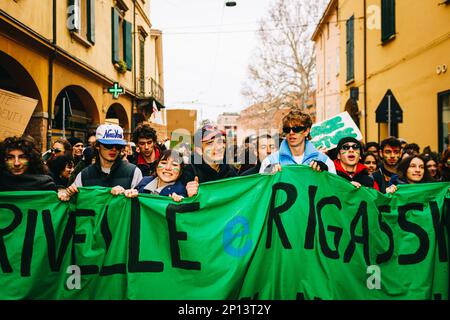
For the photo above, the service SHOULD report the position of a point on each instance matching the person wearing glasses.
(296, 147)
(109, 169)
(60, 147)
(348, 164)
(148, 152)
(21, 167)
(207, 161)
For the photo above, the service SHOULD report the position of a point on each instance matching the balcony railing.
(156, 91)
(149, 87)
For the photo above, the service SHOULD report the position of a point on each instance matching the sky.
(207, 48)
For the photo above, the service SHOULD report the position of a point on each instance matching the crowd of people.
(143, 165)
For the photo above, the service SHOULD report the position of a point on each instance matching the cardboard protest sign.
(298, 234)
(328, 132)
(15, 113)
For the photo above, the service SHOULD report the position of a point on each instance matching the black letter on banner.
(439, 230)
(408, 226)
(4, 262)
(363, 239)
(56, 261)
(311, 228)
(134, 265)
(384, 257)
(333, 254)
(119, 268)
(274, 213)
(28, 242)
(175, 236)
(81, 238)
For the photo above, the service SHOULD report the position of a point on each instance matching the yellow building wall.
(406, 65)
(25, 11)
(35, 63)
(99, 55)
(347, 8)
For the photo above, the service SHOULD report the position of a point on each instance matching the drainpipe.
(51, 59)
(135, 65)
(365, 71)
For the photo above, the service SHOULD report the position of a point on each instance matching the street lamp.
(230, 3)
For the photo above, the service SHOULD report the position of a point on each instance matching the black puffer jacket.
(121, 174)
(26, 182)
(204, 172)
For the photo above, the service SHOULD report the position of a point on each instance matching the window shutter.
(73, 11)
(115, 35)
(387, 19)
(127, 41)
(91, 21)
(350, 49)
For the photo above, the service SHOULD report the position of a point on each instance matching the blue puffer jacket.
(178, 187)
(284, 155)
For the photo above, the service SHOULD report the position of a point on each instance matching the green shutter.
(387, 19)
(91, 21)
(115, 35)
(127, 44)
(350, 48)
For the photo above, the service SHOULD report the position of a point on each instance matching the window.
(81, 19)
(443, 120)
(387, 20)
(350, 33)
(121, 38)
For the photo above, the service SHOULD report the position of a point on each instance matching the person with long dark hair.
(410, 170)
(370, 160)
(61, 169)
(21, 167)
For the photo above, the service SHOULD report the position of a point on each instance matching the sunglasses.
(296, 129)
(347, 147)
(110, 146)
(56, 150)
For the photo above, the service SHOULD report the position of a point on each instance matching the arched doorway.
(116, 114)
(74, 113)
(15, 78)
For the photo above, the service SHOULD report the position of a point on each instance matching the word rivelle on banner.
(326, 134)
(298, 234)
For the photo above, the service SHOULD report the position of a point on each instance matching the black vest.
(121, 174)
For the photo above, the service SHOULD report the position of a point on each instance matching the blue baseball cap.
(110, 134)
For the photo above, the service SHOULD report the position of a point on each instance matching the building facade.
(71, 56)
(227, 122)
(394, 55)
(326, 38)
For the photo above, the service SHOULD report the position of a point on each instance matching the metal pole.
(389, 115)
(64, 117)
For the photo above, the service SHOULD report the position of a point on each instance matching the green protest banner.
(298, 234)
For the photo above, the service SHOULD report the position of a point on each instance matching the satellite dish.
(230, 3)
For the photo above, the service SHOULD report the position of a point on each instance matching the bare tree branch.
(283, 67)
